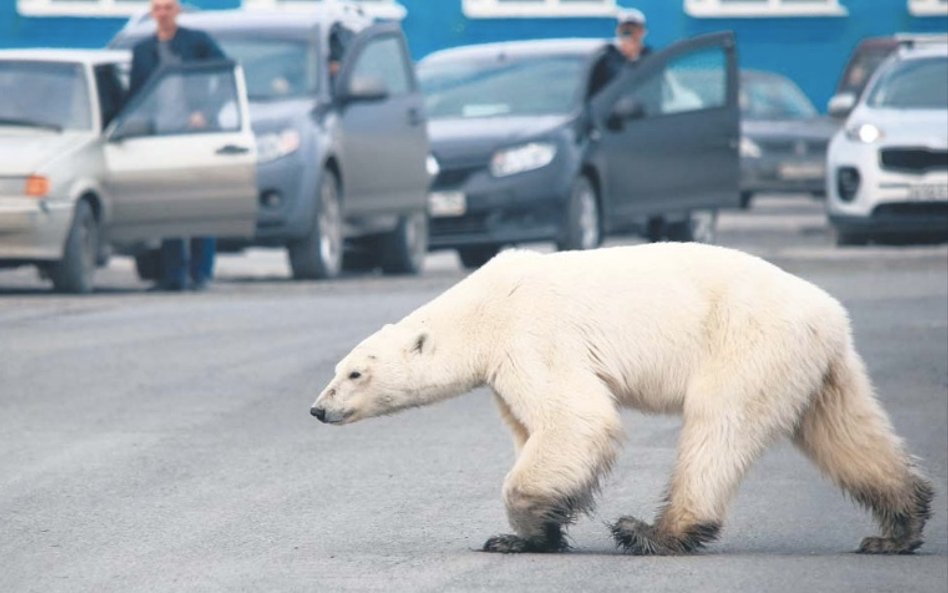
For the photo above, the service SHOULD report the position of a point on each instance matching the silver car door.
(180, 159)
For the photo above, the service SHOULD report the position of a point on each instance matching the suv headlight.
(865, 133)
(276, 145)
(519, 159)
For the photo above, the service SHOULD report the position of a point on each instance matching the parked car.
(82, 176)
(342, 163)
(865, 59)
(783, 138)
(889, 164)
(526, 154)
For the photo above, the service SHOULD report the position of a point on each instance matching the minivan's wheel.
(75, 271)
(700, 227)
(746, 198)
(318, 255)
(581, 227)
(403, 250)
(148, 265)
(477, 255)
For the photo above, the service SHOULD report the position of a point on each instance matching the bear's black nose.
(319, 413)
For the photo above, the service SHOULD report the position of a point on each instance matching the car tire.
(849, 238)
(699, 227)
(746, 199)
(403, 250)
(476, 256)
(318, 255)
(148, 265)
(74, 273)
(581, 228)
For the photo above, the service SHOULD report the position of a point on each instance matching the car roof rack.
(916, 39)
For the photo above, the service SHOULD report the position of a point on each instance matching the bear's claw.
(641, 539)
(509, 543)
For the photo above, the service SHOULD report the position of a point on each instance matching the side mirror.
(625, 109)
(365, 88)
(132, 127)
(840, 105)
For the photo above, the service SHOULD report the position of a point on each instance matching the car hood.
(270, 116)
(24, 151)
(916, 127)
(817, 128)
(474, 140)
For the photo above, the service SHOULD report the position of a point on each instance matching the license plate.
(447, 203)
(801, 171)
(928, 192)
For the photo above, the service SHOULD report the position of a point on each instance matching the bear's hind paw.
(509, 543)
(641, 539)
(886, 545)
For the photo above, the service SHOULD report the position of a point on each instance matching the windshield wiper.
(29, 123)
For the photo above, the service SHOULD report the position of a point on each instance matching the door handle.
(414, 117)
(232, 149)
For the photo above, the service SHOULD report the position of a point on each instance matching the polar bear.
(743, 351)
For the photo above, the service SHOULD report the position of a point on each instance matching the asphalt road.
(162, 442)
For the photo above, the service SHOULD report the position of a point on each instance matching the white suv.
(888, 165)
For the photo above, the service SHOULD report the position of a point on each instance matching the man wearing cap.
(629, 50)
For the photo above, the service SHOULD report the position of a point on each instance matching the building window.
(538, 8)
(928, 7)
(119, 8)
(381, 9)
(763, 8)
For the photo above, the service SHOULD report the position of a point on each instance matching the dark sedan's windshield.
(770, 97)
(914, 84)
(274, 68)
(44, 95)
(501, 86)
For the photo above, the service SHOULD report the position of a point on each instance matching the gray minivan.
(341, 163)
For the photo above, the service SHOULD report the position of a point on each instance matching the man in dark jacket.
(628, 51)
(182, 265)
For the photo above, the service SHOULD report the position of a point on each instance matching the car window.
(44, 94)
(773, 97)
(189, 101)
(862, 66)
(111, 90)
(501, 86)
(691, 82)
(383, 59)
(275, 68)
(912, 84)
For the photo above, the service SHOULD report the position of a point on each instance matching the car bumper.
(784, 175)
(898, 218)
(520, 208)
(32, 229)
(286, 193)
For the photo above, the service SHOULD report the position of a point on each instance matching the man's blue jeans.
(187, 261)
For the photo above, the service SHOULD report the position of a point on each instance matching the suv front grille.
(919, 160)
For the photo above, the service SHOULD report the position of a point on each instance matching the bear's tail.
(848, 435)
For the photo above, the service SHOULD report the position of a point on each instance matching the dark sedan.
(783, 138)
(528, 153)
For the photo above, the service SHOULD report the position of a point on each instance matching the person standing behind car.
(629, 50)
(184, 264)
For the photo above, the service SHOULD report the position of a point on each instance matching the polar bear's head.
(387, 372)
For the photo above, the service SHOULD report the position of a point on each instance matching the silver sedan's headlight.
(276, 145)
(866, 133)
(519, 159)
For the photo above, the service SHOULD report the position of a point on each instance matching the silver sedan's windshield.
(913, 84)
(274, 68)
(501, 86)
(44, 95)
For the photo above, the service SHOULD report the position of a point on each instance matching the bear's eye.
(355, 375)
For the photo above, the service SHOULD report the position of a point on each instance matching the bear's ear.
(421, 344)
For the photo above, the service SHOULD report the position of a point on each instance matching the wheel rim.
(416, 238)
(703, 225)
(330, 231)
(588, 219)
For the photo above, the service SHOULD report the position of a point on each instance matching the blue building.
(807, 40)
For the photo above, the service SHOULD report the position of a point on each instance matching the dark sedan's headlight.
(749, 148)
(276, 145)
(520, 159)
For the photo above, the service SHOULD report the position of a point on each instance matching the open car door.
(181, 156)
(669, 131)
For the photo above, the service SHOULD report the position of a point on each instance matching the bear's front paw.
(509, 543)
(885, 545)
(641, 539)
